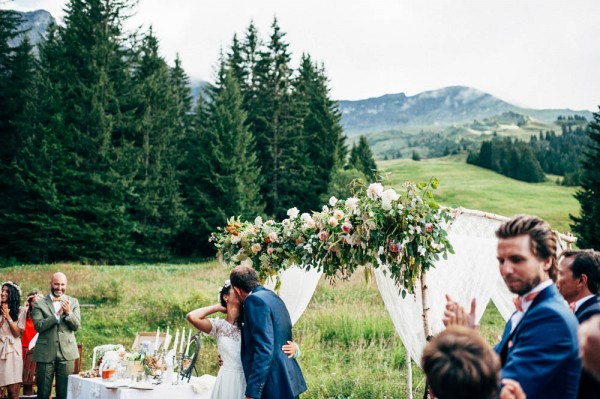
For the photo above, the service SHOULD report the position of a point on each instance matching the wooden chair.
(29, 367)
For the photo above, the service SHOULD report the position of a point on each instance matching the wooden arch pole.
(426, 325)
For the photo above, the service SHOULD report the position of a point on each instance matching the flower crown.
(14, 285)
(227, 284)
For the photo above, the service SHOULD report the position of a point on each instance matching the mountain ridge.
(448, 106)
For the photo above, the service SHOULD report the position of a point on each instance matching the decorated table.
(96, 388)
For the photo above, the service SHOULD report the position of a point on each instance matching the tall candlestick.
(176, 340)
(182, 339)
(166, 348)
(187, 347)
(156, 341)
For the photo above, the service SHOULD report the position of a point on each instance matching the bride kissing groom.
(259, 319)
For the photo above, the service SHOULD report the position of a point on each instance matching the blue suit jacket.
(267, 326)
(589, 387)
(541, 353)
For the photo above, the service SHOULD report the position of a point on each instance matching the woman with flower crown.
(12, 323)
(230, 383)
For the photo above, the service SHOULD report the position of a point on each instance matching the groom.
(266, 327)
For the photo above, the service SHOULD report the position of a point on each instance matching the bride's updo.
(224, 290)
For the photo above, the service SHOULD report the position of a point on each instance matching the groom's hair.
(244, 278)
(459, 364)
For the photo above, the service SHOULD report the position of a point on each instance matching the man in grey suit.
(56, 318)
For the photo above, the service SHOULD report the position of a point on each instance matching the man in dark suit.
(579, 283)
(539, 345)
(55, 318)
(266, 327)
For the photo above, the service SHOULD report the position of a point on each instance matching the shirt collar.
(581, 301)
(541, 286)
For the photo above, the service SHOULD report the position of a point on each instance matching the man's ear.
(583, 279)
(237, 291)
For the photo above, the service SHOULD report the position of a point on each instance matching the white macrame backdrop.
(297, 288)
(472, 272)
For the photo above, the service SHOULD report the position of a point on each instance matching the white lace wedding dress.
(230, 383)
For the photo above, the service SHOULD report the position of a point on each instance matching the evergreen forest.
(107, 158)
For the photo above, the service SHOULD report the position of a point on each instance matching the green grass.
(477, 188)
(349, 346)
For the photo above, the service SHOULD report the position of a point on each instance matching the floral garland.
(374, 227)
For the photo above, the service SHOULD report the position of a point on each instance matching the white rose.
(235, 239)
(255, 247)
(390, 195)
(351, 204)
(258, 221)
(333, 201)
(375, 190)
(332, 222)
(293, 213)
(305, 217)
(338, 214)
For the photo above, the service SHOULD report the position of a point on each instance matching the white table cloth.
(95, 388)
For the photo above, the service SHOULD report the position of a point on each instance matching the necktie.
(518, 301)
(573, 306)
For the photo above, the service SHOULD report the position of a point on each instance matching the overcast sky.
(532, 53)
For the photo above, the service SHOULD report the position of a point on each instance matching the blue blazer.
(266, 327)
(589, 387)
(542, 353)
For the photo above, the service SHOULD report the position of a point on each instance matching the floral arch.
(417, 251)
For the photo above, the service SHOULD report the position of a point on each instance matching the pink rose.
(428, 227)
(323, 235)
(347, 227)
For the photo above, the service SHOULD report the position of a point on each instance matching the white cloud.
(536, 53)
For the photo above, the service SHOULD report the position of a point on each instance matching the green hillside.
(477, 188)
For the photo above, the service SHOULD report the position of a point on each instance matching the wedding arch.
(417, 250)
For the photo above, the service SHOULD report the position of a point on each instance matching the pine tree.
(225, 177)
(587, 225)
(321, 130)
(161, 103)
(74, 177)
(361, 158)
(276, 126)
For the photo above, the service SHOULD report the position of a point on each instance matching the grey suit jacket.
(55, 335)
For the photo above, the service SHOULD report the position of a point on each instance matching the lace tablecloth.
(95, 388)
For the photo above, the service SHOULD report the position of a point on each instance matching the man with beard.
(539, 345)
(579, 282)
(56, 318)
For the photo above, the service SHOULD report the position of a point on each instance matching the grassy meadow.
(349, 345)
(477, 188)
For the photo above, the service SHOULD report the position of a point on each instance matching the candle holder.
(187, 363)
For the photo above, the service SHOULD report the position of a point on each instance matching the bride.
(230, 383)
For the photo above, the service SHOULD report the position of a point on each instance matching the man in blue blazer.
(579, 283)
(539, 345)
(266, 327)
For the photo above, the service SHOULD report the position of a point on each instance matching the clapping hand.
(66, 306)
(456, 314)
(5, 312)
(511, 389)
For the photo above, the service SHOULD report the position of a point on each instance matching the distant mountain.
(455, 105)
(35, 25)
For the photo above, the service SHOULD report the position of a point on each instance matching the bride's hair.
(224, 290)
